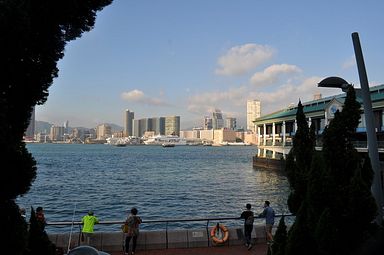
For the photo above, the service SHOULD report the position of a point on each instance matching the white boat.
(165, 139)
(238, 144)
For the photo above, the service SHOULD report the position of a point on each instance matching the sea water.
(182, 182)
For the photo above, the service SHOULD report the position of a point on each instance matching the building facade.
(276, 130)
(217, 119)
(253, 112)
(128, 122)
(172, 125)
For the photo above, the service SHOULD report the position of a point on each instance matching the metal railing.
(166, 221)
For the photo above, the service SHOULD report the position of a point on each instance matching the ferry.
(165, 139)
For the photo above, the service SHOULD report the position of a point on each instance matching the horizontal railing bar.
(64, 223)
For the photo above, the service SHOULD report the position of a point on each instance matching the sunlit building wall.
(172, 125)
(253, 112)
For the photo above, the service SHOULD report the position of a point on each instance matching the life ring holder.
(215, 231)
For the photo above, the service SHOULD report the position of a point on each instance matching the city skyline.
(186, 59)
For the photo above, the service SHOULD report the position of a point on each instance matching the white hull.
(160, 140)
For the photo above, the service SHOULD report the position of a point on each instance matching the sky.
(186, 58)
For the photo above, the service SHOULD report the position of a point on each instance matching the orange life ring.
(215, 234)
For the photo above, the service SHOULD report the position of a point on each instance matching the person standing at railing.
(133, 221)
(248, 217)
(88, 222)
(269, 215)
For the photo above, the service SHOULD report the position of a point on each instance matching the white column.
(295, 126)
(265, 134)
(309, 122)
(258, 135)
(283, 130)
(273, 133)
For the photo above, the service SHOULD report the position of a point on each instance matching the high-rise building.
(128, 122)
(30, 132)
(172, 125)
(158, 125)
(103, 131)
(56, 133)
(230, 123)
(217, 119)
(253, 112)
(207, 123)
(66, 125)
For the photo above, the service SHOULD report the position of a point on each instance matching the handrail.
(112, 222)
(166, 221)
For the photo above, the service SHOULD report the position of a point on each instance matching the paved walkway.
(258, 249)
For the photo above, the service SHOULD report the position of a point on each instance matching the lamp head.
(334, 82)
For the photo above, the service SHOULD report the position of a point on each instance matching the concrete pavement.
(257, 249)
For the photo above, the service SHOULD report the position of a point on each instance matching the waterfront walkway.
(257, 249)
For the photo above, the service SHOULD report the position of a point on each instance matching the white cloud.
(272, 74)
(351, 62)
(289, 93)
(134, 95)
(234, 99)
(241, 59)
(206, 102)
(139, 97)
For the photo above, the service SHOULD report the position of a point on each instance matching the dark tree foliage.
(337, 209)
(33, 36)
(38, 241)
(297, 165)
(280, 238)
(300, 238)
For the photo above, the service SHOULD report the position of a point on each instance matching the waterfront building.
(190, 134)
(206, 135)
(230, 123)
(128, 122)
(253, 112)
(30, 132)
(207, 123)
(223, 135)
(275, 131)
(247, 137)
(66, 127)
(137, 125)
(103, 132)
(56, 133)
(172, 125)
(217, 119)
(158, 125)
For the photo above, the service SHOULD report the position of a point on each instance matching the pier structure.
(275, 131)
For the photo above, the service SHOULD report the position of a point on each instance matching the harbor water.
(163, 183)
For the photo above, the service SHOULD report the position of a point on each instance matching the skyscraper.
(217, 119)
(207, 123)
(253, 112)
(172, 125)
(128, 122)
(230, 123)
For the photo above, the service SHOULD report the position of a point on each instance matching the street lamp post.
(373, 152)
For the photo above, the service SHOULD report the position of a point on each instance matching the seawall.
(147, 240)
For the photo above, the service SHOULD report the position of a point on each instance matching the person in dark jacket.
(248, 217)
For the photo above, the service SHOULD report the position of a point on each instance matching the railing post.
(166, 234)
(208, 233)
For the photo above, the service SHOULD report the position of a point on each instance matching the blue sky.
(175, 57)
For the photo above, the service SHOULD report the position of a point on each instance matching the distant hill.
(42, 126)
(115, 128)
(45, 127)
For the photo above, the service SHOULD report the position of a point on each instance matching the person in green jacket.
(88, 222)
